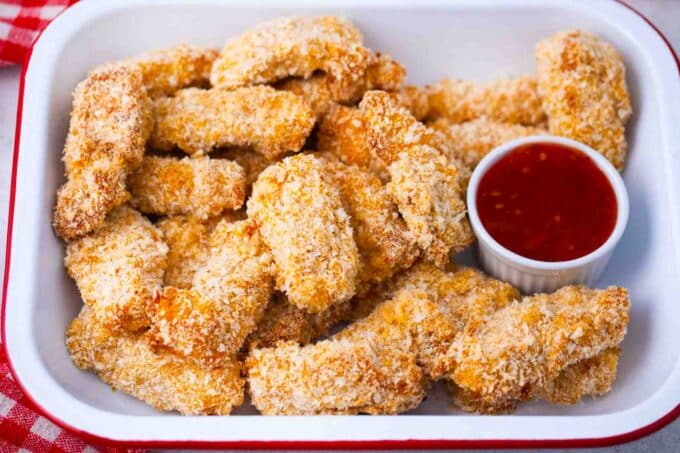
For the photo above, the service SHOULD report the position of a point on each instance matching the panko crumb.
(583, 83)
(294, 46)
(119, 268)
(126, 363)
(110, 123)
(198, 186)
(302, 220)
(269, 121)
(515, 101)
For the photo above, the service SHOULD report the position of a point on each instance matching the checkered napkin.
(21, 21)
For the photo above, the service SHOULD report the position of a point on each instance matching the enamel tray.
(479, 40)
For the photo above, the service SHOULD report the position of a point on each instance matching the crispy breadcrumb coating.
(168, 70)
(383, 74)
(583, 83)
(283, 321)
(589, 377)
(425, 188)
(525, 345)
(342, 132)
(270, 122)
(110, 123)
(413, 99)
(385, 245)
(303, 222)
(126, 363)
(188, 240)
(294, 46)
(472, 140)
(199, 186)
(334, 377)
(252, 163)
(210, 322)
(119, 268)
(515, 101)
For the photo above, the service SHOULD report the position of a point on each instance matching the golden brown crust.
(119, 268)
(383, 240)
(412, 99)
(295, 46)
(126, 363)
(252, 163)
(334, 377)
(583, 83)
(168, 70)
(210, 322)
(525, 345)
(110, 123)
(270, 122)
(199, 186)
(302, 220)
(515, 101)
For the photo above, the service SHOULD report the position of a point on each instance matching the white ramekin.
(529, 275)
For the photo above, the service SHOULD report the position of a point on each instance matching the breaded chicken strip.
(283, 321)
(294, 46)
(522, 347)
(412, 99)
(270, 122)
(334, 377)
(426, 307)
(589, 377)
(425, 188)
(383, 74)
(210, 322)
(583, 83)
(472, 140)
(110, 123)
(385, 245)
(168, 70)
(188, 240)
(126, 363)
(514, 101)
(119, 268)
(252, 163)
(342, 132)
(303, 222)
(199, 186)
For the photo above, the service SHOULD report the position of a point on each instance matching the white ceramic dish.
(533, 276)
(470, 39)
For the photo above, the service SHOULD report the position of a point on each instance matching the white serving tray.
(479, 40)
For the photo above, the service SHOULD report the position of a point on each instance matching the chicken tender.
(110, 123)
(294, 46)
(210, 322)
(472, 140)
(199, 186)
(383, 240)
(334, 377)
(126, 363)
(252, 163)
(412, 99)
(283, 321)
(270, 122)
(526, 345)
(343, 132)
(383, 74)
(583, 83)
(515, 101)
(119, 268)
(168, 70)
(425, 188)
(303, 222)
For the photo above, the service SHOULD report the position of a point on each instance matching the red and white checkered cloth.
(21, 22)
(22, 427)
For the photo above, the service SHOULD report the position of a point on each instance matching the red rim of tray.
(302, 444)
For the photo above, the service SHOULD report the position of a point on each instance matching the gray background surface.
(665, 14)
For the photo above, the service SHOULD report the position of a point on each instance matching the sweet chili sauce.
(547, 202)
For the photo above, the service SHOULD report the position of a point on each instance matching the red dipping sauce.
(547, 202)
